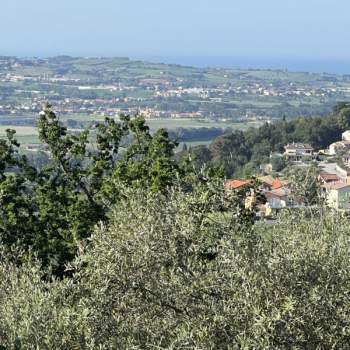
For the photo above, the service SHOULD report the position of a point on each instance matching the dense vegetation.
(197, 134)
(168, 273)
(53, 208)
(242, 152)
(114, 245)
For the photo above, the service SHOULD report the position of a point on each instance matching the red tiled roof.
(329, 177)
(276, 184)
(280, 192)
(235, 184)
(337, 186)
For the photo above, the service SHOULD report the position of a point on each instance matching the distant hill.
(109, 86)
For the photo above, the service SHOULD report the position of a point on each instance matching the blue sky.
(302, 29)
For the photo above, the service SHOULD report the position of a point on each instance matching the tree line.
(242, 152)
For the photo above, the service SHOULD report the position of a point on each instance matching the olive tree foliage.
(53, 209)
(179, 272)
(304, 184)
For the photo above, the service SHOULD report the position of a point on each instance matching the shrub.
(176, 272)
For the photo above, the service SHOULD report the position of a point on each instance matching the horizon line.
(236, 62)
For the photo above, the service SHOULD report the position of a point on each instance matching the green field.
(173, 123)
(29, 135)
(24, 134)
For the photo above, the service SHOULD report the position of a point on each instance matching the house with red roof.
(325, 178)
(277, 195)
(278, 198)
(236, 184)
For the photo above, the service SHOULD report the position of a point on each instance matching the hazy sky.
(312, 29)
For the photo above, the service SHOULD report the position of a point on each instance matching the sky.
(204, 31)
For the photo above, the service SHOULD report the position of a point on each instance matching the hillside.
(110, 86)
(242, 152)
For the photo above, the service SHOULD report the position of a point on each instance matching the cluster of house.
(299, 152)
(334, 178)
(335, 185)
(276, 191)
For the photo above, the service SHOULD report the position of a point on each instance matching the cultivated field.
(173, 123)
(24, 134)
(29, 134)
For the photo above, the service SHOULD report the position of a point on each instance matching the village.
(162, 89)
(77, 87)
(333, 179)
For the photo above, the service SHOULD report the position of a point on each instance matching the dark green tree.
(53, 210)
(278, 163)
(242, 152)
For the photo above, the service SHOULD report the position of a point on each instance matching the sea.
(315, 64)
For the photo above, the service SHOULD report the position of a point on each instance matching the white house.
(297, 151)
(278, 198)
(339, 146)
(338, 196)
(346, 135)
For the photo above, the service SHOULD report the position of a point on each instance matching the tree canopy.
(114, 245)
(173, 272)
(53, 209)
(242, 152)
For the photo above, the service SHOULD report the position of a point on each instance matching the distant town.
(333, 178)
(111, 86)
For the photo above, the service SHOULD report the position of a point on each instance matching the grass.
(29, 134)
(24, 134)
(173, 123)
(20, 130)
(28, 139)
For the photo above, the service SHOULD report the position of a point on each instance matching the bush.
(175, 272)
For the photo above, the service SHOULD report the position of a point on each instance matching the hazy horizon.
(273, 63)
(296, 35)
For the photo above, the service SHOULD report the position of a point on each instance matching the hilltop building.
(277, 194)
(346, 135)
(279, 198)
(325, 178)
(338, 146)
(298, 151)
(338, 196)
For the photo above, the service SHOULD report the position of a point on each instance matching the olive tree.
(180, 271)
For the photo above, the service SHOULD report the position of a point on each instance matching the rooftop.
(337, 186)
(279, 192)
(235, 184)
(329, 177)
(276, 184)
(299, 145)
